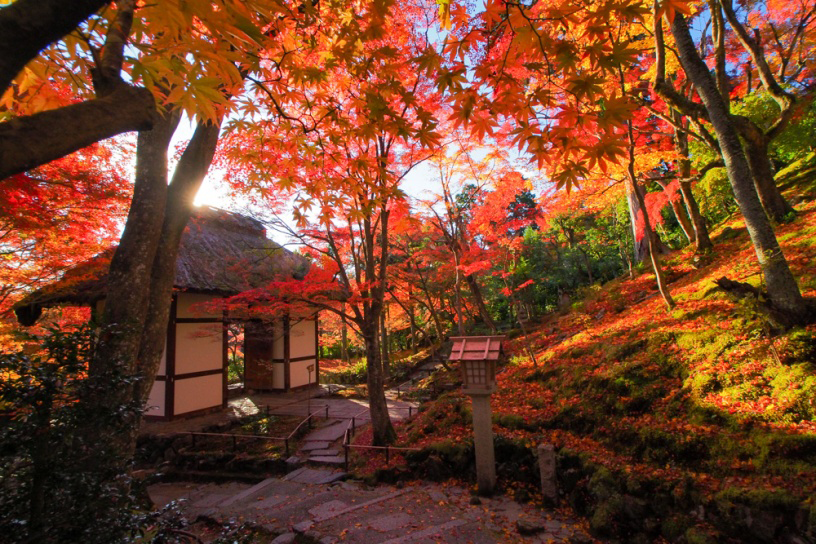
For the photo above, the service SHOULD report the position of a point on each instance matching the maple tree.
(55, 217)
(366, 118)
(329, 106)
(782, 288)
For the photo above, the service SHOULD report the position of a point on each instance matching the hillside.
(696, 425)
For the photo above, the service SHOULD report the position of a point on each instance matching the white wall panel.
(302, 339)
(299, 373)
(199, 346)
(198, 393)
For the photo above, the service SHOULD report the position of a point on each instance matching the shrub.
(52, 489)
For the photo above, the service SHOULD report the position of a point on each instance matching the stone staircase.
(323, 446)
(321, 506)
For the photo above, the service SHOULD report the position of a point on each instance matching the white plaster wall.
(155, 402)
(198, 393)
(199, 346)
(193, 305)
(277, 376)
(302, 339)
(299, 373)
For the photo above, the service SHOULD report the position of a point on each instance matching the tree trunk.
(130, 271)
(476, 291)
(587, 265)
(189, 173)
(641, 244)
(344, 354)
(771, 198)
(702, 241)
(386, 360)
(412, 318)
(113, 439)
(680, 214)
(782, 288)
(457, 292)
(701, 238)
(649, 234)
(384, 433)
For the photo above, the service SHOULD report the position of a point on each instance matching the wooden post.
(483, 441)
(546, 464)
(170, 363)
(225, 358)
(287, 371)
(317, 350)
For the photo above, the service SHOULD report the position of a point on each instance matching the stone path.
(316, 502)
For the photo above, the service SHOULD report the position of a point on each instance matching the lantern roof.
(476, 348)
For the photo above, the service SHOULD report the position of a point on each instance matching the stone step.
(328, 459)
(324, 453)
(328, 513)
(424, 534)
(310, 444)
(313, 476)
(249, 492)
(329, 433)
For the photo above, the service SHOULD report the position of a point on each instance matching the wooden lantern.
(478, 356)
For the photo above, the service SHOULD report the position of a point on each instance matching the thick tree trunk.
(112, 440)
(187, 178)
(782, 288)
(130, 271)
(771, 198)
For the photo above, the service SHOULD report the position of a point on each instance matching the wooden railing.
(236, 436)
(347, 445)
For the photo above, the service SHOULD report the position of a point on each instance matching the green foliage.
(715, 196)
(235, 370)
(797, 138)
(51, 490)
(353, 374)
(574, 250)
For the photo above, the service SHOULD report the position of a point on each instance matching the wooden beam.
(225, 356)
(317, 350)
(287, 371)
(170, 363)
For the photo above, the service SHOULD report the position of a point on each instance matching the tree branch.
(29, 26)
(30, 141)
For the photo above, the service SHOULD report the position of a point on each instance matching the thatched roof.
(221, 253)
